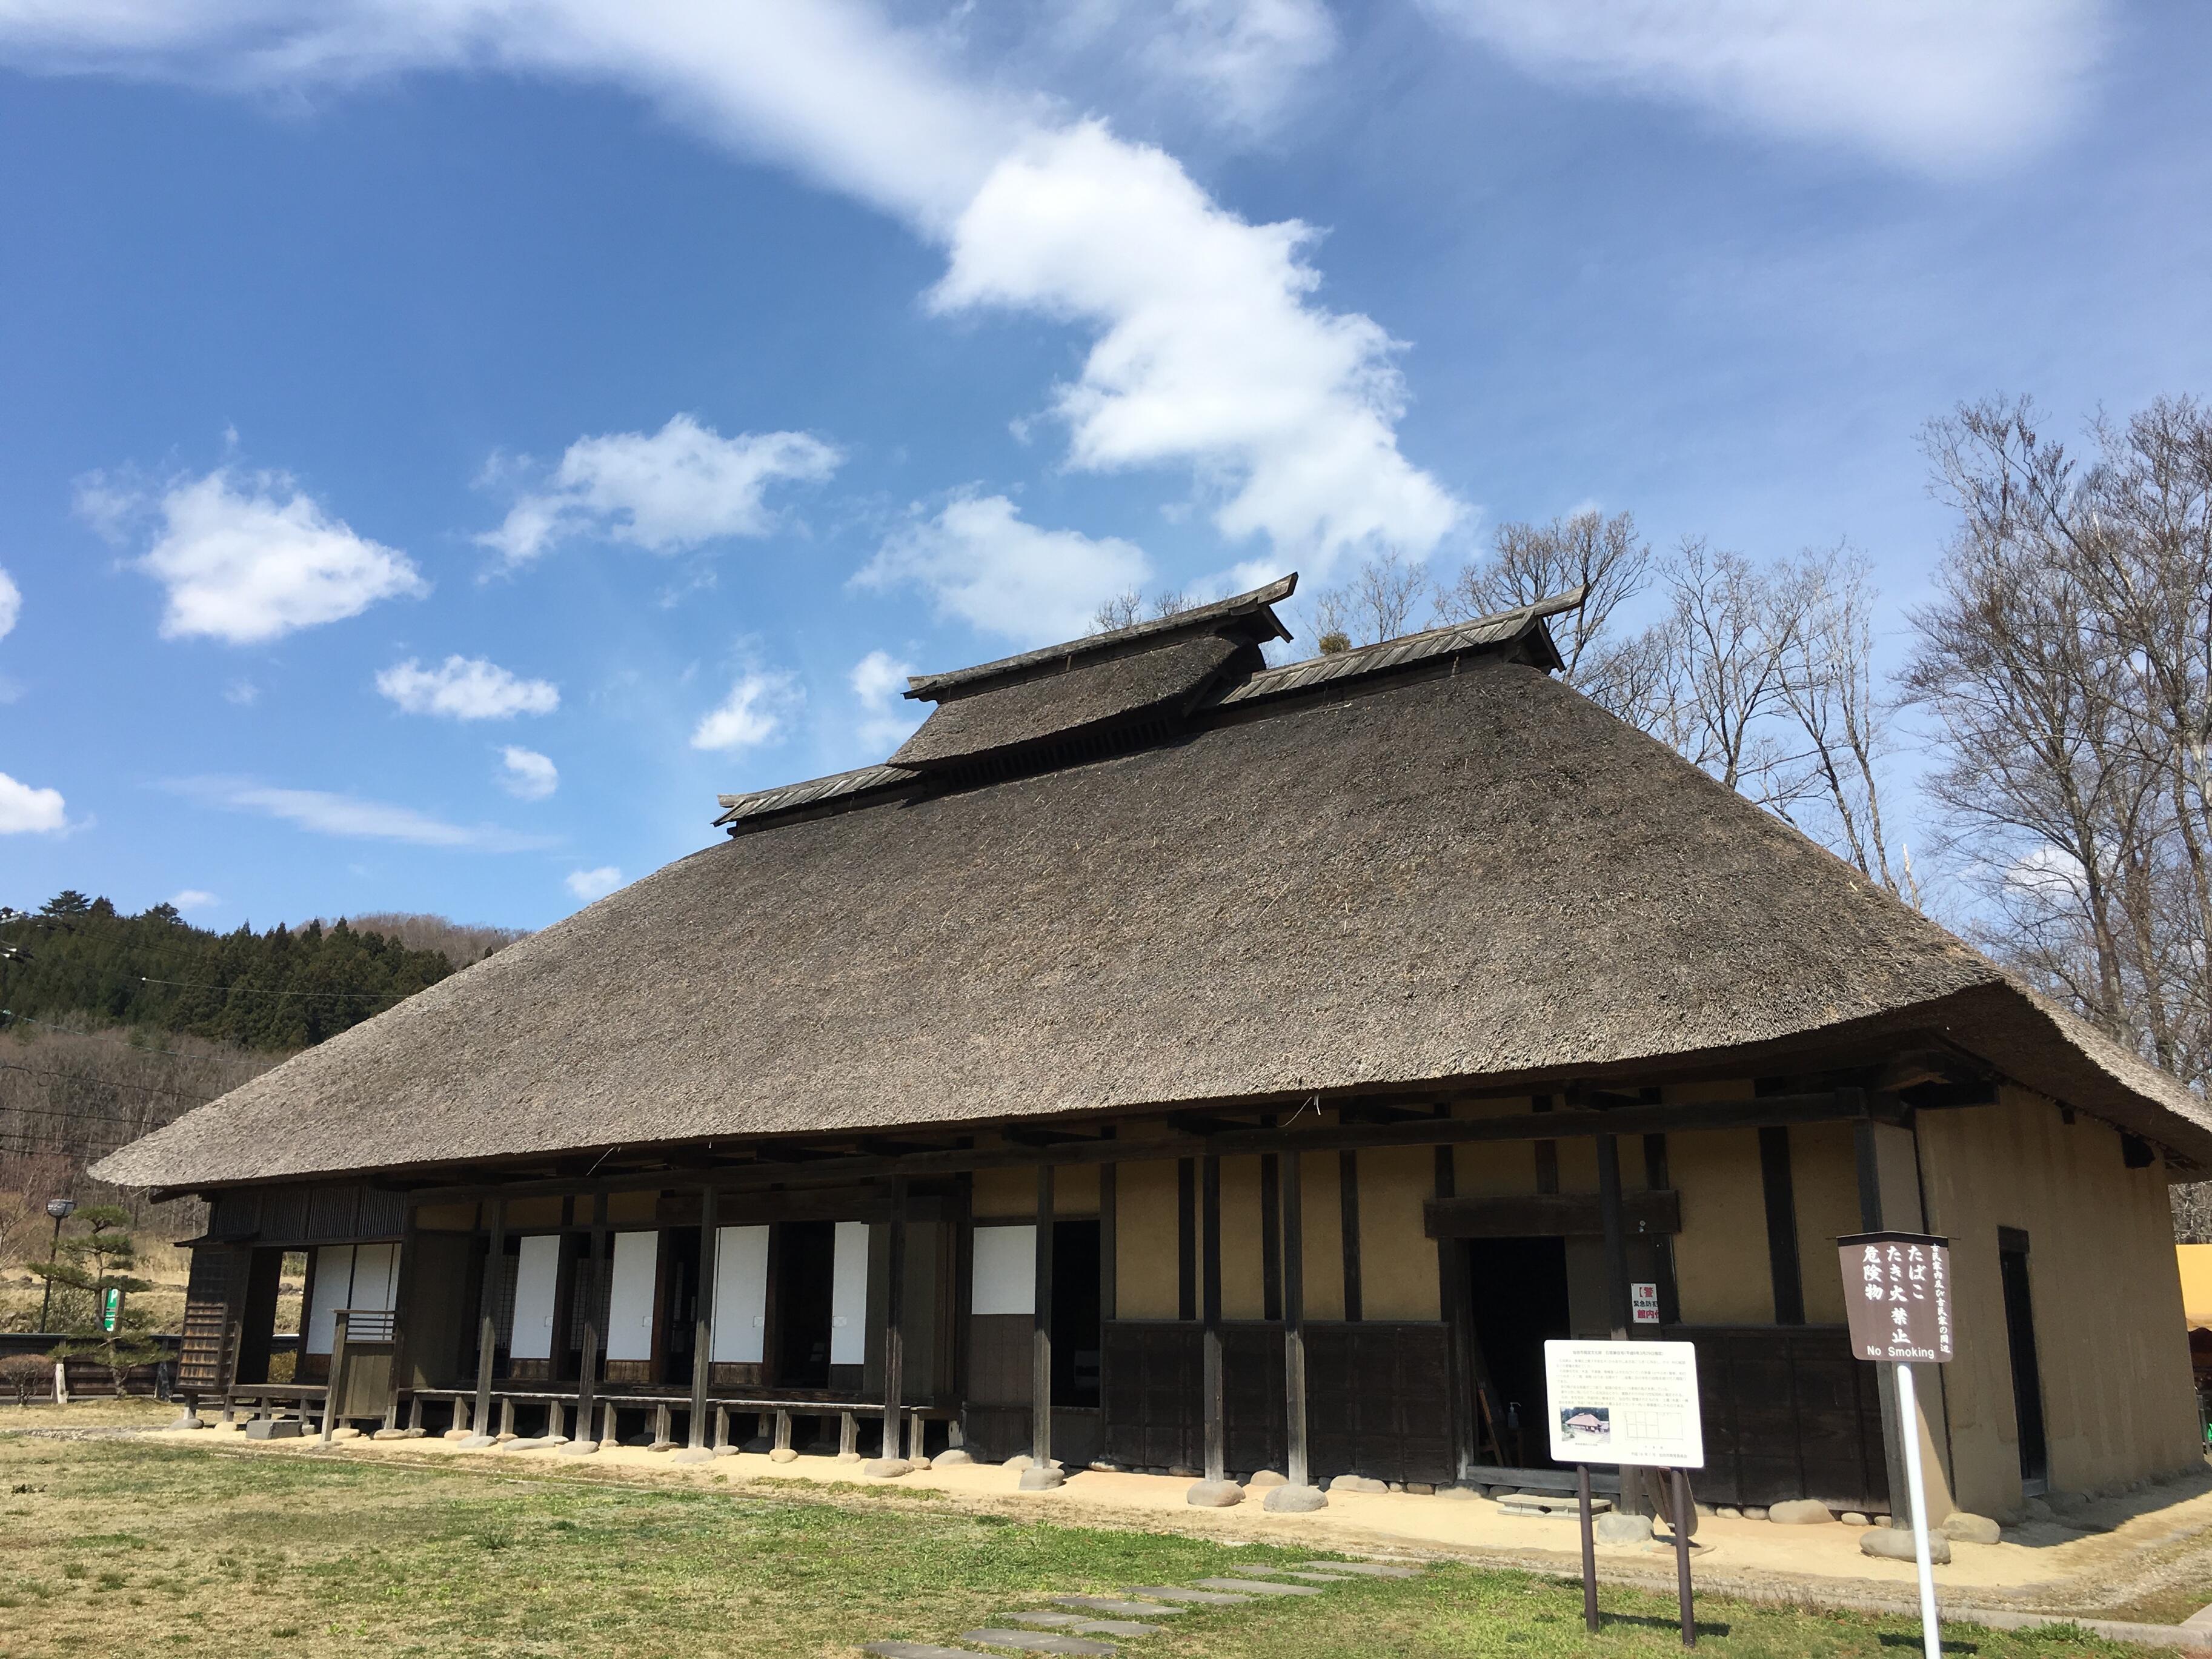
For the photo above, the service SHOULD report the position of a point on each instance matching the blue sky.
(446, 442)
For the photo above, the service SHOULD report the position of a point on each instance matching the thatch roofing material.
(1253, 608)
(1090, 693)
(1455, 876)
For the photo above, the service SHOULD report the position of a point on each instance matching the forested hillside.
(112, 1025)
(78, 961)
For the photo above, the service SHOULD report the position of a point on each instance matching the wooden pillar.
(1186, 1238)
(1297, 1466)
(403, 1312)
(334, 1385)
(587, 1370)
(487, 1319)
(1209, 1245)
(895, 1320)
(1780, 1193)
(1456, 1301)
(1347, 1191)
(1041, 1328)
(1271, 1232)
(1658, 1179)
(702, 1329)
(1618, 1316)
(1109, 1286)
(1868, 1158)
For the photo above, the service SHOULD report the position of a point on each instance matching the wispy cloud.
(326, 813)
(466, 689)
(1211, 352)
(25, 810)
(887, 719)
(195, 898)
(1941, 89)
(754, 713)
(979, 561)
(11, 604)
(667, 492)
(589, 884)
(527, 774)
(245, 560)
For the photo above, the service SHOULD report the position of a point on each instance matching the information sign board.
(1897, 1292)
(1624, 1402)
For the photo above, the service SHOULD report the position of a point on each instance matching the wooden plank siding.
(1788, 1414)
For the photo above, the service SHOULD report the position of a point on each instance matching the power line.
(113, 1083)
(9, 1015)
(257, 991)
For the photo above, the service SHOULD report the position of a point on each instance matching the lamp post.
(60, 1209)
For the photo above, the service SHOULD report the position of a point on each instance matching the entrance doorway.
(805, 1282)
(1519, 1287)
(1075, 1338)
(2026, 1375)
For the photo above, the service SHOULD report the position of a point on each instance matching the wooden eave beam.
(1235, 1140)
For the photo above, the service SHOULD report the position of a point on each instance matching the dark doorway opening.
(2026, 1375)
(679, 1284)
(1077, 1334)
(805, 1259)
(1519, 1287)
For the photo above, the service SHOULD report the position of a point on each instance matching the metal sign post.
(1897, 1288)
(1627, 1402)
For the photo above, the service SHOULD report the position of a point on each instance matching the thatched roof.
(1438, 865)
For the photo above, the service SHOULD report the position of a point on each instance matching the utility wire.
(8, 1017)
(113, 1083)
(257, 991)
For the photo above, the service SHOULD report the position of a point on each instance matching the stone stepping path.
(1080, 1624)
(1119, 1604)
(1073, 1623)
(1040, 1641)
(1256, 1587)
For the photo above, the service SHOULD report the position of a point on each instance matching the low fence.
(87, 1379)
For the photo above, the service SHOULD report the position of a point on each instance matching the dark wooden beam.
(894, 1322)
(1612, 1228)
(1041, 1328)
(487, 1320)
(1552, 1215)
(1297, 1466)
(1348, 1198)
(1243, 1140)
(702, 1323)
(1780, 1191)
(1216, 1399)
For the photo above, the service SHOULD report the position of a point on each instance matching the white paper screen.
(740, 1295)
(536, 1276)
(848, 1295)
(1006, 1271)
(333, 1284)
(629, 1307)
(375, 1278)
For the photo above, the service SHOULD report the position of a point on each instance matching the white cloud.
(195, 898)
(243, 692)
(527, 774)
(247, 562)
(588, 885)
(1211, 353)
(887, 718)
(466, 689)
(1945, 89)
(754, 713)
(11, 604)
(330, 814)
(1235, 64)
(667, 492)
(27, 811)
(980, 562)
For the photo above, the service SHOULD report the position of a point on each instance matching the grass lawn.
(116, 1547)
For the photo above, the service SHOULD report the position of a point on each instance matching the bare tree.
(1128, 608)
(1728, 640)
(1601, 557)
(1828, 687)
(1387, 596)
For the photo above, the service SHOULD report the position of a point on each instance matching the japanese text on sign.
(1897, 1289)
(1624, 1402)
